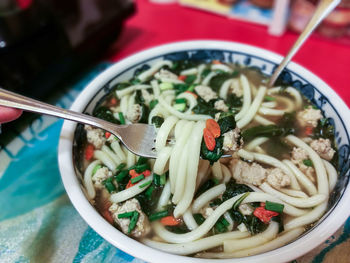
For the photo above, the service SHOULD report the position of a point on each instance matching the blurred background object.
(44, 42)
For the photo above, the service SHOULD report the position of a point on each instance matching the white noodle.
(249, 115)
(130, 159)
(269, 104)
(192, 101)
(190, 71)
(247, 97)
(195, 246)
(259, 239)
(118, 150)
(190, 117)
(164, 131)
(162, 160)
(308, 218)
(224, 89)
(131, 191)
(271, 112)
(207, 79)
(105, 159)
(201, 67)
(332, 175)
(164, 197)
(111, 154)
(302, 178)
(88, 179)
(222, 67)
(128, 90)
(207, 196)
(262, 120)
(292, 91)
(293, 193)
(322, 180)
(195, 140)
(216, 170)
(226, 172)
(256, 142)
(189, 220)
(297, 202)
(180, 178)
(148, 73)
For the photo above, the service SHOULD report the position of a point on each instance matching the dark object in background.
(43, 42)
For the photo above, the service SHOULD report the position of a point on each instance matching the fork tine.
(138, 138)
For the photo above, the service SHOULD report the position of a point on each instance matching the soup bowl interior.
(318, 92)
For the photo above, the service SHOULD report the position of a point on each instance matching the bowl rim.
(135, 248)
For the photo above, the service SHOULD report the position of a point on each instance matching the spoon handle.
(13, 100)
(322, 10)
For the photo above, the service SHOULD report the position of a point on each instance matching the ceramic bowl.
(317, 91)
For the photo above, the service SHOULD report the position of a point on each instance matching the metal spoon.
(138, 138)
(323, 9)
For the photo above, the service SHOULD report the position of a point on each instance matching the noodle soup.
(193, 199)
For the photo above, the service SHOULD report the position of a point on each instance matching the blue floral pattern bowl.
(318, 92)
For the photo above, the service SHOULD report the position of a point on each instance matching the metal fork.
(138, 138)
(323, 9)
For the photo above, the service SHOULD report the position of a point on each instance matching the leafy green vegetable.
(121, 86)
(279, 220)
(199, 218)
(152, 104)
(204, 107)
(233, 101)
(144, 114)
(149, 199)
(179, 229)
(212, 156)
(254, 225)
(226, 122)
(181, 65)
(190, 78)
(139, 98)
(180, 88)
(272, 206)
(157, 121)
(324, 130)
(217, 81)
(239, 201)
(308, 162)
(233, 189)
(105, 113)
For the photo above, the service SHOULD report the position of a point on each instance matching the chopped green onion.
(145, 184)
(108, 183)
(141, 168)
(149, 192)
(120, 167)
(158, 215)
(126, 215)
(156, 179)
(96, 168)
(152, 104)
(308, 162)
(191, 88)
(180, 101)
(133, 221)
(162, 179)
(224, 222)
(190, 78)
(216, 181)
(239, 201)
(141, 160)
(121, 118)
(119, 177)
(276, 207)
(179, 106)
(137, 179)
(269, 98)
(199, 218)
(157, 121)
(166, 86)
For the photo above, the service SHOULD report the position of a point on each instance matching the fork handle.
(322, 10)
(14, 100)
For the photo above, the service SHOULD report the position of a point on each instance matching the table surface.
(156, 24)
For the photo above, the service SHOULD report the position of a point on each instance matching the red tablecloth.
(155, 24)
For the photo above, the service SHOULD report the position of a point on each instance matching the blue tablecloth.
(38, 222)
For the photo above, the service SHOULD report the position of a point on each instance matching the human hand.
(9, 114)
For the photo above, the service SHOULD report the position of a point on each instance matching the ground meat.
(134, 113)
(323, 148)
(142, 227)
(243, 172)
(246, 209)
(232, 141)
(205, 92)
(146, 95)
(277, 178)
(101, 175)
(309, 117)
(95, 136)
(236, 88)
(298, 156)
(165, 74)
(221, 106)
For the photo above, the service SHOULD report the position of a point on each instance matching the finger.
(9, 114)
